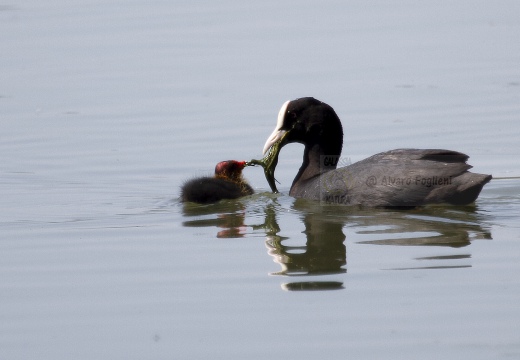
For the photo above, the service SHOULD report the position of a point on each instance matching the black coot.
(228, 183)
(400, 178)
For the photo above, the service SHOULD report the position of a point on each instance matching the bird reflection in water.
(324, 253)
(228, 216)
(320, 254)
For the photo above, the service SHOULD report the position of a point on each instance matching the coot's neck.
(320, 157)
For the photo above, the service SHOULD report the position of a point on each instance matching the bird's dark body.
(227, 183)
(395, 178)
(206, 190)
(402, 177)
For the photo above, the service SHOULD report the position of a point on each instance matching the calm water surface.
(107, 107)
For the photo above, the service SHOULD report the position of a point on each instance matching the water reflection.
(431, 226)
(229, 216)
(313, 285)
(323, 252)
(321, 249)
(447, 226)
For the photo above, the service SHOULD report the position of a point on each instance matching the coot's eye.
(291, 115)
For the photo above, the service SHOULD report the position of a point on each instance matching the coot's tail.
(464, 189)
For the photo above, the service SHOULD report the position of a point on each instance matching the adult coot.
(400, 178)
(227, 183)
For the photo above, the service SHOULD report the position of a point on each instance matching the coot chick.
(396, 178)
(227, 183)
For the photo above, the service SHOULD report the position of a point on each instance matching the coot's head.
(230, 169)
(310, 122)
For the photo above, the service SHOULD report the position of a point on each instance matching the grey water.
(106, 107)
